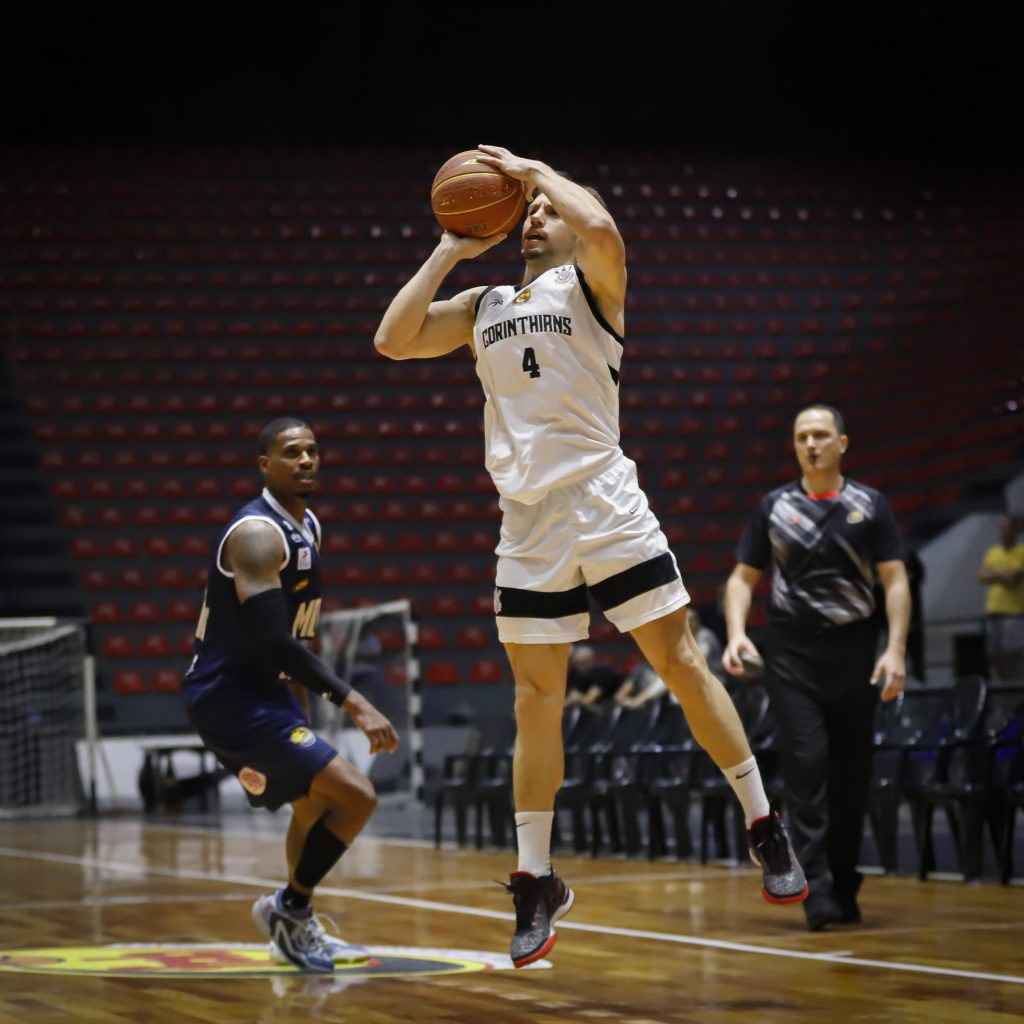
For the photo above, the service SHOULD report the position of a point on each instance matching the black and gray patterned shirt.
(823, 550)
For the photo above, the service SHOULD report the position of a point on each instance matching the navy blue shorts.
(264, 739)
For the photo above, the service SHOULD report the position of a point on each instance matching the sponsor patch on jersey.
(301, 585)
(497, 600)
(253, 781)
(523, 296)
(297, 538)
(563, 275)
(305, 560)
(855, 516)
(302, 737)
(494, 301)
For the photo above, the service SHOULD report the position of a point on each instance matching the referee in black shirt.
(827, 539)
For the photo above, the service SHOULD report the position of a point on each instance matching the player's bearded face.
(545, 234)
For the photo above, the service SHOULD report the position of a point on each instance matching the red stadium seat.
(73, 516)
(424, 574)
(158, 546)
(389, 575)
(338, 544)
(166, 680)
(129, 681)
(195, 545)
(354, 576)
(472, 637)
(431, 639)
(182, 611)
(375, 543)
(105, 611)
(442, 673)
(116, 646)
(147, 515)
(155, 645)
(143, 611)
(487, 670)
(95, 579)
(85, 547)
(446, 605)
(461, 572)
(408, 542)
(171, 578)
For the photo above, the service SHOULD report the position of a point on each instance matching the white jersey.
(549, 365)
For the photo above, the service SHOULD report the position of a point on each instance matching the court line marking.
(495, 915)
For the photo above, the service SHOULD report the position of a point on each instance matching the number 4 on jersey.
(530, 364)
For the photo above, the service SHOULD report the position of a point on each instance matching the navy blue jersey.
(221, 656)
(823, 551)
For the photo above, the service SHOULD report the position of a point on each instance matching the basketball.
(472, 199)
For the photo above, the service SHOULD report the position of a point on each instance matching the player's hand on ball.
(742, 658)
(507, 162)
(465, 247)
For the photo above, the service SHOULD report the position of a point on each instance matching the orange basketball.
(471, 198)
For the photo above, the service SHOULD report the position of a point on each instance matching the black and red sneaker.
(539, 902)
(771, 850)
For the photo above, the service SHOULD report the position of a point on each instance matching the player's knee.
(354, 795)
(682, 661)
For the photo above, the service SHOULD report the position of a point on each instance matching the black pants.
(819, 683)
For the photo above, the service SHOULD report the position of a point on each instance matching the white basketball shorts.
(597, 535)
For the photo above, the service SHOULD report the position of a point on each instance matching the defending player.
(262, 600)
(574, 518)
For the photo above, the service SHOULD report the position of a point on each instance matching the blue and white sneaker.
(341, 952)
(298, 937)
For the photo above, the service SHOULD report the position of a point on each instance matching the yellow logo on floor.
(238, 960)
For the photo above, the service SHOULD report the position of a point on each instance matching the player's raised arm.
(417, 327)
(601, 252)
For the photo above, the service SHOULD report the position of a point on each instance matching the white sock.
(745, 780)
(533, 837)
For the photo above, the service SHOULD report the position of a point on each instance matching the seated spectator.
(640, 686)
(589, 681)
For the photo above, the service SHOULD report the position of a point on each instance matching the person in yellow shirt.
(1002, 570)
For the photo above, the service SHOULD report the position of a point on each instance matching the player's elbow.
(601, 233)
(387, 345)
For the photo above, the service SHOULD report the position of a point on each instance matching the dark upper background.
(916, 78)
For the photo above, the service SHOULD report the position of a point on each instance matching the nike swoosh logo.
(744, 775)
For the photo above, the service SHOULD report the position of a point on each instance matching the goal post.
(47, 708)
(373, 649)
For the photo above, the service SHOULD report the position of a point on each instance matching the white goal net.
(47, 707)
(373, 649)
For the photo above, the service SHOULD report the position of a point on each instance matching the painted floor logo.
(240, 960)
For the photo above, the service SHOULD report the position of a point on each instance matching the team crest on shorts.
(563, 275)
(302, 737)
(253, 781)
(523, 296)
(497, 600)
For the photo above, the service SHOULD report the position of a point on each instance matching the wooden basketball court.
(645, 944)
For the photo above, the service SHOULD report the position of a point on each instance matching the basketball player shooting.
(574, 517)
